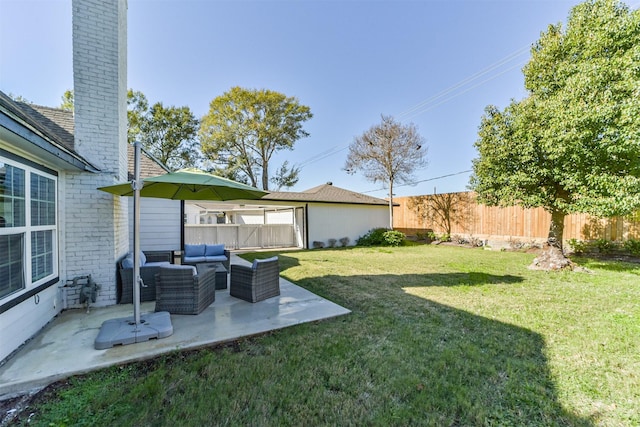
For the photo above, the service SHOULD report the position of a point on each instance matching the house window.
(28, 226)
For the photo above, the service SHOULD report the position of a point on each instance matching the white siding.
(92, 225)
(192, 213)
(248, 217)
(334, 221)
(23, 321)
(160, 224)
(279, 217)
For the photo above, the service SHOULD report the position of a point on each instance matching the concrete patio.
(66, 346)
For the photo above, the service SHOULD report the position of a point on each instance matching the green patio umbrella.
(185, 184)
(188, 184)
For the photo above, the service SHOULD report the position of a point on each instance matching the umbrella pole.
(137, 186)
(154, 325)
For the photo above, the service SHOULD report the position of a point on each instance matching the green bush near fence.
(381, 237)
(629, 247)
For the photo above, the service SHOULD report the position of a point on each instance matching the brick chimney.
(96, 223)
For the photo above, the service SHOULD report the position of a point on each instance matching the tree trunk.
(556, 229)
(265, 175)
(552, 257)
(390, 204)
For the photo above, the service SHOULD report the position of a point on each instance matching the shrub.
(578, 246)
(444, 237)
(373, 237)
(318, 245)
(381, 237)
(632, 246)
(393, 238)
(605, 246)
(427, 235)
(332, 243)
(345, 241)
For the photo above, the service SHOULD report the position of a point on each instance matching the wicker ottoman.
(220, 272)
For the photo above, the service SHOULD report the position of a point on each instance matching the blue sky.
(435, 63)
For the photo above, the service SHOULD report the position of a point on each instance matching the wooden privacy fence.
(458, 213)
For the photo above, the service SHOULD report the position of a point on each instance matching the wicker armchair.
(256, 283)
(148, 271)
(180, 291)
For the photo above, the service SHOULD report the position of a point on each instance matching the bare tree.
(443, 210)
(388, 152)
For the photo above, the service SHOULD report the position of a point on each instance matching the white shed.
(307, 219)
(332, 212)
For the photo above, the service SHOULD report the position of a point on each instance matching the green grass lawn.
(440, 336)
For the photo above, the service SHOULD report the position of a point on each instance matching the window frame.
(32, 287)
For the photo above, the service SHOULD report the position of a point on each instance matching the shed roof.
(326, 193)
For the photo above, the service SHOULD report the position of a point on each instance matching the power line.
(422, 180)
(425, 106)
(467, 80)
(431, 107)
(324, 154)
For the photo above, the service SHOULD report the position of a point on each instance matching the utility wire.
(425, 106)
(324, 154)
(432, 106)
(469, 79)
(422, 180)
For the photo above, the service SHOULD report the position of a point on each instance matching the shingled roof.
(149, 165)
(57, 123)
(326, 193)
(57, 126)
(46, 129)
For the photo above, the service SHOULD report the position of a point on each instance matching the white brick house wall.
(95, 223)
(92, 225)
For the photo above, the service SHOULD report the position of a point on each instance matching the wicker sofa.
(205, 253)
(150, 262)
(183, 289)
(257, 282)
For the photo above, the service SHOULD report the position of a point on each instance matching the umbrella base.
(124, 331)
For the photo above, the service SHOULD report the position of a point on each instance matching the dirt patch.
(13, 408)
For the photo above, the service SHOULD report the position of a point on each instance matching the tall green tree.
(245, 127)
(573, 144)
(168, 133)
(67, 100)
(388, 152)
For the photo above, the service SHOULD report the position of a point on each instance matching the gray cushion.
(157, 264)
(182, 267)
(258, 261)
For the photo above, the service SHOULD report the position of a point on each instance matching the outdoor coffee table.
(221, 272)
